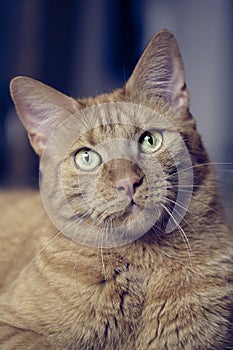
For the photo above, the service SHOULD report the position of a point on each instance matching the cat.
(127, 246)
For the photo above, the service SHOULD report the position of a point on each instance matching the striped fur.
(162, 291)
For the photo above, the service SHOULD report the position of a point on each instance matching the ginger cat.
(130, 248)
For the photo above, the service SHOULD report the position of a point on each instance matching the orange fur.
(162, 291)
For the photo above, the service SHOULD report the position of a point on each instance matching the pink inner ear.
(181, 98)
(38, 142)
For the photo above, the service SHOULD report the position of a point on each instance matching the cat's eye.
(150, 141)
(87, 159)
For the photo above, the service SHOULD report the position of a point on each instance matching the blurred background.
(85, 47)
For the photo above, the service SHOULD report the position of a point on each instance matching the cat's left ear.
(40, 108)
(160, 73)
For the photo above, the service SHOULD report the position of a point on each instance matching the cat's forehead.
(116, 120)
(108, 131)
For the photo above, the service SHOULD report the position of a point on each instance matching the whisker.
(77, 257)
(183, 234)
(198, 166)
(196, 215)
(198, 200)
(101, 252)
(183, 218)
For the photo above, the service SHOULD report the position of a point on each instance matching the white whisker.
(183, 234)
(199, 166)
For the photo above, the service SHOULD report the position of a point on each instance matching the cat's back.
(21, 212)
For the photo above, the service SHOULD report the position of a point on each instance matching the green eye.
(150, 141)
(86, 159)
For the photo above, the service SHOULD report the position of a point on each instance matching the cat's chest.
(122, 301)
(124, 279)
(111, 307)
(96, 301)
(124, 285)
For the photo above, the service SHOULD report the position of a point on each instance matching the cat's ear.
(160, 72)
(40, 108)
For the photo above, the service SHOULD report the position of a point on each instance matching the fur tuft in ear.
(40, 108)
(160, 72)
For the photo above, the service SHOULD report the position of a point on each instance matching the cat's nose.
(128, 185)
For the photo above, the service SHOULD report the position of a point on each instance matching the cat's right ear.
(40, 108)
(159, 73)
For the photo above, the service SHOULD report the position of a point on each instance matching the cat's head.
(112, 165)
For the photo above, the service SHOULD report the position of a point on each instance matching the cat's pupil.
(149, 139)
(86, 157)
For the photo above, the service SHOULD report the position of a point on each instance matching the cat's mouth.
(133, 208)
(134, 204)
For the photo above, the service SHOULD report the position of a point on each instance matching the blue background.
(86, 47)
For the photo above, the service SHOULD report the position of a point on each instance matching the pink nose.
(127, 186)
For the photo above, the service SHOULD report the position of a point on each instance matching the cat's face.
(112, 177)
(112, 166)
